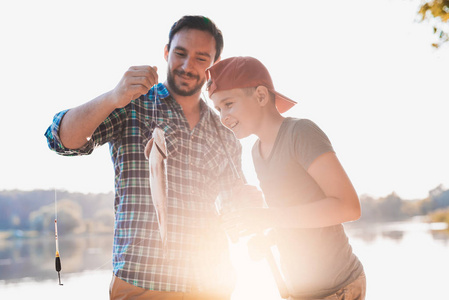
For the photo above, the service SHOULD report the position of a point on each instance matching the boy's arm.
(79, 123)
(340, 205)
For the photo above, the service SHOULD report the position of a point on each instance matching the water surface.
(402, 260)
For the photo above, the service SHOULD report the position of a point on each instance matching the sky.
(364, 71)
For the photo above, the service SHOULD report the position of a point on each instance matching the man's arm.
(79, 123)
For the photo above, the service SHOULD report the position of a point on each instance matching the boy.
(306, 189)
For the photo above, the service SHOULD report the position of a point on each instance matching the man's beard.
(178, 90)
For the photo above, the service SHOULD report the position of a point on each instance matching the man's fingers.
(143, 74)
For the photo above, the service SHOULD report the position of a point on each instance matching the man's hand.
(135, 82)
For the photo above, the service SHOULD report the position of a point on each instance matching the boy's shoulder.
(299, 124)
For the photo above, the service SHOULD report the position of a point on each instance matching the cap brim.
(283, 103)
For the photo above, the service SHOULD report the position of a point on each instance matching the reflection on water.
(402, 260)
(371, 232)
(35, 258)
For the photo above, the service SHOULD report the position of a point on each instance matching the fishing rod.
(282, 288)
(264, 241)
(57, 257)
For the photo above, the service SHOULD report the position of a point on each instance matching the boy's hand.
(246, 196)
(247, 221)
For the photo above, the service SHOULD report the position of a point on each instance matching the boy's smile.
(232, 125)
(238, 111)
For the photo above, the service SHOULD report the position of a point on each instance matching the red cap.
(243, 72)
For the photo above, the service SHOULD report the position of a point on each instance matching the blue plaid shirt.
(197, 170)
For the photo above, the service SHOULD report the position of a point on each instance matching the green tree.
(437, 12)
(391, 207)
(70, 217)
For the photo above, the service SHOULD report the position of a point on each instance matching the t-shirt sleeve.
(309, 142)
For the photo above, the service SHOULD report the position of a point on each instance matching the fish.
(156, 153)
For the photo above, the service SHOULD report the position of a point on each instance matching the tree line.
(36, 211)
(92, 213)
(393, 208)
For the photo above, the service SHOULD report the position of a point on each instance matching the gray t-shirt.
(315, 262)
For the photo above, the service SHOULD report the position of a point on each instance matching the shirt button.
(192, 191)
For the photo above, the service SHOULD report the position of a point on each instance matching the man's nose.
(188, 63)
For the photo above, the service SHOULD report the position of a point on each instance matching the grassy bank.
(441, 215)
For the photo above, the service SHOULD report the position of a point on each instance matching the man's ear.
(262, 94)
(166, 53)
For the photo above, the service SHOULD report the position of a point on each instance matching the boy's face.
(239, 111)
(191, 52)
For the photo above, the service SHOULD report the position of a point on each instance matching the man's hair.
(200, 23)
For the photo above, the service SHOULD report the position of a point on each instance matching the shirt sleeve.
(310, 142)
(108, 130)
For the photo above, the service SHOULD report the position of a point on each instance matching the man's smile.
(186, 75)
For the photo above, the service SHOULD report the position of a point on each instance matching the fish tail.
(163, 233)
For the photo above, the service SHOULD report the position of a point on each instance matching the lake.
(402, 260)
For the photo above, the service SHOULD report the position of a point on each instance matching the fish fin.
(148, 148)
(164, 156)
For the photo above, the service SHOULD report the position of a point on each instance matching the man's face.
(238, 111)
(191, 52)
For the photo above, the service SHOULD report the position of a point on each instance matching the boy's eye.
(228, 104)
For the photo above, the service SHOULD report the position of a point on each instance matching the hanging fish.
(156, 153)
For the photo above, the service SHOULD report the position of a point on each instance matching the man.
(197, 263)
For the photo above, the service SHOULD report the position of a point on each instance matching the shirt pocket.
(213, 161)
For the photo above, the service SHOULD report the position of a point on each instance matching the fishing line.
(228, 156)
(154, 112)
(57, 258)
(58, 265)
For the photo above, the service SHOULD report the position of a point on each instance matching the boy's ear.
(166, 53)
(262, 95)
